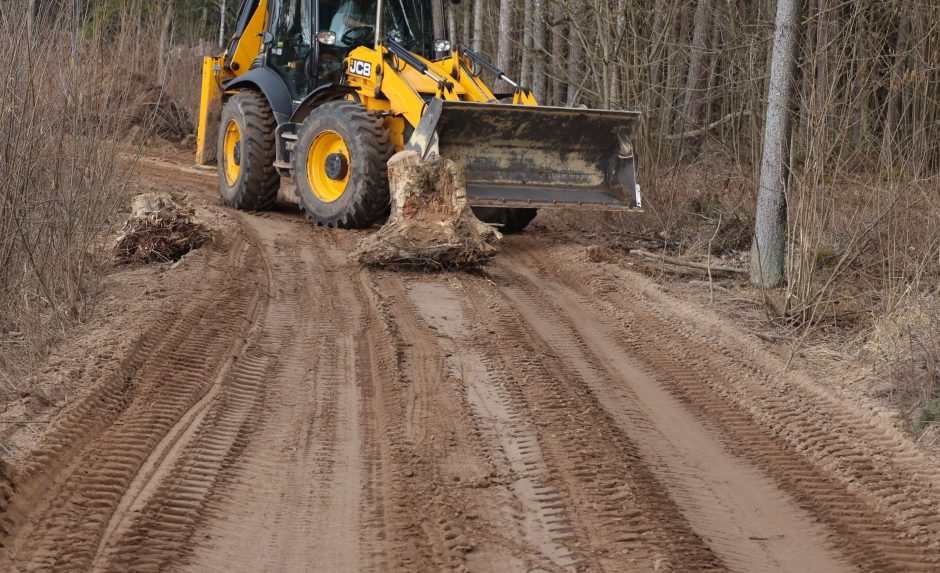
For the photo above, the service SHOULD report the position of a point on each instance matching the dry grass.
(67, 113)
(903, 350)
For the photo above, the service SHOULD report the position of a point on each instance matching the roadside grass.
(69, 114)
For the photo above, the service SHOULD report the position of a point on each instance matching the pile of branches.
(152, 109)
(160, 229)
(132, 102)
(431, 226)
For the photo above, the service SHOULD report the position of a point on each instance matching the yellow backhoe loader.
(325, 91)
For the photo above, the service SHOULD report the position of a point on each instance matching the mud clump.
(431, 226)
(159, 229)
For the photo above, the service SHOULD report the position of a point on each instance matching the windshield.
(408, 22)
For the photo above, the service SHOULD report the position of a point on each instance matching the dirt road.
(299, 413)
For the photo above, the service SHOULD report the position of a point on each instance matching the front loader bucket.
(527, 156)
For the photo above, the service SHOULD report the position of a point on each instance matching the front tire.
(340, 166)
(246, 153)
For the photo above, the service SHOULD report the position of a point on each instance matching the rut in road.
(877, 495)
(289, 456)
(70, 489)
(299, 413)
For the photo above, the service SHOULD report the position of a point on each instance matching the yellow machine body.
(514, 154)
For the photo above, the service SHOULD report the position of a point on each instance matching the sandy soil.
(275, 407)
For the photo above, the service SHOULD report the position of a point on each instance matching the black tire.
(257, 181)
(508, 221)
(365, 198)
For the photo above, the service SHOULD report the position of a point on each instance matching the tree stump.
(431, 225)
(160, 229)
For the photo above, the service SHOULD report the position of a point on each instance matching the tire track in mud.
(77, 478)
(302, 413)
(743, 516)
(537, 518)
(878, 503)
(575, 493)
(295, 493)
(623, 517)
(431, 458)
(402, 513)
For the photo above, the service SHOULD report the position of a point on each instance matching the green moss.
(929, 415)
(826, 256)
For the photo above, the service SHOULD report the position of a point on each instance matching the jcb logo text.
(360, 68)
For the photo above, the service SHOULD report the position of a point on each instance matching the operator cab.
(310, 39)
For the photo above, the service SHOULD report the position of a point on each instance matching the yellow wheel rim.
(328, 166)
(232, 153)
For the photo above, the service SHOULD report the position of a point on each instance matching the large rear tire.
(507, 221)
(340, 166)
(246, 153)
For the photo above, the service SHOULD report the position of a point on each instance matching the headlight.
(442, 45)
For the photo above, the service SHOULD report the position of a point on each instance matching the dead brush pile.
(147, 108)
(151, 108)
(160, 229)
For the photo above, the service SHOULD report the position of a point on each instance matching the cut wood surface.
(431, 225)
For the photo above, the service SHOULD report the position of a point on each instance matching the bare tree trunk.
(466, 28)
(616, 35)
(165, 37)
(538, 50)
(656, 53)
(603, 56)
(30, 18)
(504, 52)
(478, 26)
(558, 53)
(203, 20)
(575, 49)
(439, 23)
(893, 113)
(769, 247)
(222, 23)
(677, 71)
(807, 96)
(451, 25)
(525, 76)
(825, 32)
(694, 86)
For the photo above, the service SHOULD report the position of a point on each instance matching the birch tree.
(769, 246)
(538, 42)
(504, 47)
(575, 46)
(222, 23)
(695, 81)
(478, 26)
(558, 52)
(525, 74)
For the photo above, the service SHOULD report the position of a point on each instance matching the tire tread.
(257, 189)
